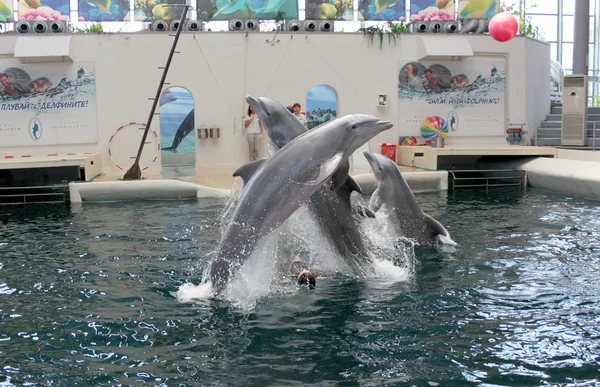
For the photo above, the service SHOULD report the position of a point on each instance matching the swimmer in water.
(306, 278)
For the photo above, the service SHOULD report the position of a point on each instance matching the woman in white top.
(301, 117)
(254, 130)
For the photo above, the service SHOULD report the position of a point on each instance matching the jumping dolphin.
(283, 183)
(186, 127)
(394, 197)
(331, 206)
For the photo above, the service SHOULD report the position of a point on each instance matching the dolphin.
(394, 196)
(283, 183)
(185, 128)
(331, 206)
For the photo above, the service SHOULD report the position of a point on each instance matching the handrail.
(490, 181)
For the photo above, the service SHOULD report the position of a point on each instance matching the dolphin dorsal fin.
(246, 171)
(351, 185)
(435, 226)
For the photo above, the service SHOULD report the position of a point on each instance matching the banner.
(249, 9)
(177, 121)
(432, 10)
(44, 9)
(478, 9)
(321, 105)
(6, 11)
(465, 98)
(149, 10)
(103, 10)
(329, 10)
(385, 10)
(47, 104)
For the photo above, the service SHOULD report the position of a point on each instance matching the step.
(558, 117)
(556, 132)
(591, 110)
(558, 125)
(556, 141)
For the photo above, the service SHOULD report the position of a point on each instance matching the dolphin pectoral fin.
(375, 202)
(340, 176)
(246, 171)
(328, 168)
(435, 226)
(272, 148)
(351, 185)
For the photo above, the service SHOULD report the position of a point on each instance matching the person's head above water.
(306, 278)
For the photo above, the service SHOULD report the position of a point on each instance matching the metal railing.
(57, 191)
(505, 178)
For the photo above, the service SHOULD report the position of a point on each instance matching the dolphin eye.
(353, 126)
(381, 169)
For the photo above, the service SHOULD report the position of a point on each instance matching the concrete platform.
(427, 157)
(191, 183)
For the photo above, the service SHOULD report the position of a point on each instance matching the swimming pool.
(87, 297)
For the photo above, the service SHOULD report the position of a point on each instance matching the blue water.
(86, 298)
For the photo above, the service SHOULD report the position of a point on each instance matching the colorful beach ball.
(433, 127)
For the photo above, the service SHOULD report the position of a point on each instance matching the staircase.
(549, 131)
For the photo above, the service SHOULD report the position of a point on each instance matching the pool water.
(88, 297)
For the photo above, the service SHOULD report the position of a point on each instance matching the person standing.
(299, 115)
(254, 130)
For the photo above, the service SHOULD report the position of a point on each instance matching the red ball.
(503, 27)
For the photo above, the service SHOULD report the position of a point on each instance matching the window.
(567, 55)
(568, 28)
(543, 6)
(548, 25)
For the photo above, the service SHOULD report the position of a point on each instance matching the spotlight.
(58, 26)
(326, 26)
(193, 25)
(435, 27)
(309, 26)
(174, 25)
(40, 27)
(22, 27)
(160, 26)
(293, 25)
(451, 28)
(236, 25)
(420, 27)
(252, 25)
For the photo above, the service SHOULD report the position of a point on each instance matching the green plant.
(96, 27)
(393, 31)
(526, 26)
(596, 99)
(207, 16)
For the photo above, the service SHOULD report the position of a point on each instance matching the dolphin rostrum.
(283, 183)
(330, 206)
(394, 197)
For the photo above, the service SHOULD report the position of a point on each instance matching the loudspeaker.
(194, 25)
(434, 27)
(160, 26)
(309, 26)
(326, 26)
(58, 26)
(236, 25)
(420, 27)
(252, 25)
(292, 26)
(451, 27)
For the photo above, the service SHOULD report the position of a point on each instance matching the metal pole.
(594, 138)
(135, 172)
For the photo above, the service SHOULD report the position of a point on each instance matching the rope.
(279, 65)
(348, 84)
(213, 75)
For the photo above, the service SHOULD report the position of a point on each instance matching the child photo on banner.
(44, 9)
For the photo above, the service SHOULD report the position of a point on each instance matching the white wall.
(219, 69)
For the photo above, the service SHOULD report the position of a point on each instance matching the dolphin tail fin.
(436, 226)
(351, 185)
(246, 171)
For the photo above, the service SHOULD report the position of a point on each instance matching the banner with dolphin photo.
(465, 98)
(103, 10)
(329, 10)
(177, 126)
(6, 11)
(478, 9)
(381, 9)
(47, 103)
(248, 9)
(432, 10)
(44, 9)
